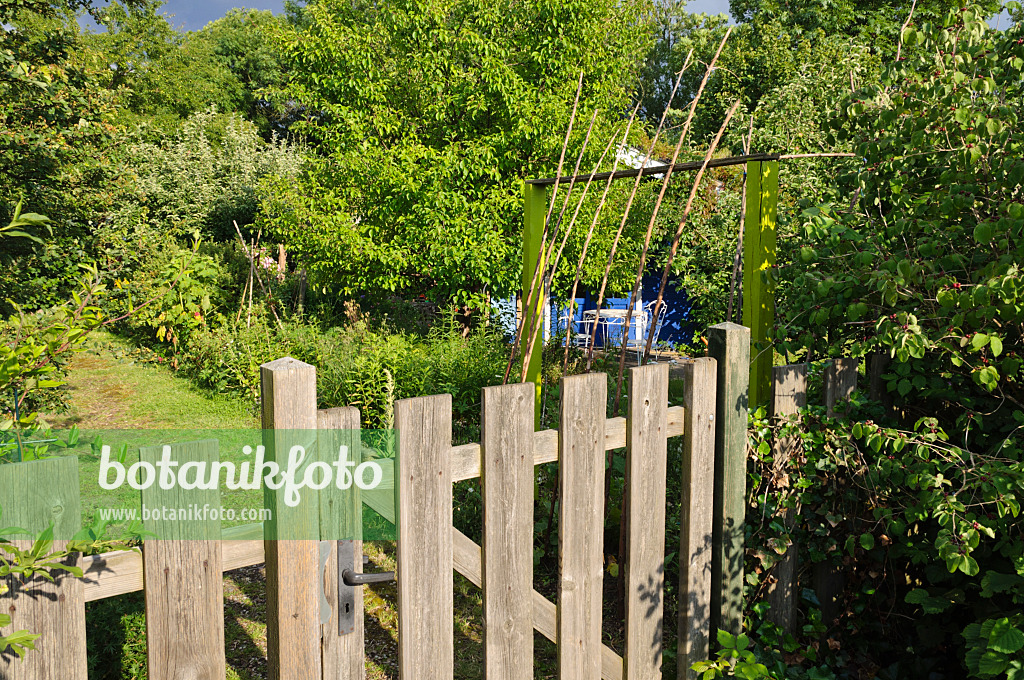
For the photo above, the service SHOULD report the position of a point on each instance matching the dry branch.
(678, 236)
(540, 251)
(625, 214)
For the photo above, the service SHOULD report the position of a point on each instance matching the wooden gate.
(182, 582)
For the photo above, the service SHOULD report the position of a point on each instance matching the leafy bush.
(928, 270)
(207, 176)
(356, 364)
(916, 528)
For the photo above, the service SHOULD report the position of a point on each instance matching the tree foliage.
(425, 118)
(926, 268)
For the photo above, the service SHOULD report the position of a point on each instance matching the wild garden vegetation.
(342, 183)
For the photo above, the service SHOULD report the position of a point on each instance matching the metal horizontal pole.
(660, 169)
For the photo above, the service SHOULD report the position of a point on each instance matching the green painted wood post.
(759, 231)
(729, 344)
(534, 213)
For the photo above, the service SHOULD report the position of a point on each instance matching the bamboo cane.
(738, 257)
(679, 231)
(590, 232)
(654, 217)
(535, 321)
(536, 270)
(625, 214)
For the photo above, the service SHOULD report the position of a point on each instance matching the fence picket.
(729, 344)
(426, 627)
(828, 580)
(288, 392)
(32, 495)
(581, 525)
(840, 381)
(506, 443)
(341, 517)
(695, 525)
(182, 570)
(789, 395)
(646, 461)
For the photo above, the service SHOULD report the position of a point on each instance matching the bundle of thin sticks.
(543, 275)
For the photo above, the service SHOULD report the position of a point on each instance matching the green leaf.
(996, 345)
(995, 582)
(904, 387)
(742, 641)
(867, 541)
(1005, 637)
(992, 663)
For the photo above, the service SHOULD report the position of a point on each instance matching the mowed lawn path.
(109, 390)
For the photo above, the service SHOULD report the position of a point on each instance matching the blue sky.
(193, 15)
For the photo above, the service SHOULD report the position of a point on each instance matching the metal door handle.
(352, 578)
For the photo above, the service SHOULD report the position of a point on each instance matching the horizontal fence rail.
(119, 572)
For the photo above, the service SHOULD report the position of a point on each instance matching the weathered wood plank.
(34, 494)
(646, 461)
(341, 518)
(426, 646)
(840, 382)
(696, 514)
(729, 344)
(507, 451)
(184, 585)
(467, 561)
(466, 457)
(789, 395)
(828, 581)
(288, 391)
(120, 571)
(581, 525)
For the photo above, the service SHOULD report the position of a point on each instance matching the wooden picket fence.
(183, 583)
(788, 395)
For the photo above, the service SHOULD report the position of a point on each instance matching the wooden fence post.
(646, 461)
(840, 382)
(183, 575)
(506, 474)
(426, 623)
(789, 395)
(696, 594)
(34, 494)
(341, 518)
(581, 525)
(288, 391)
(729, 344)
(828, 580)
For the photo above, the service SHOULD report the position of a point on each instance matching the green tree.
(161, 75)
(243, 42)
(52, 110)
(875, 23)
(425, 117)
